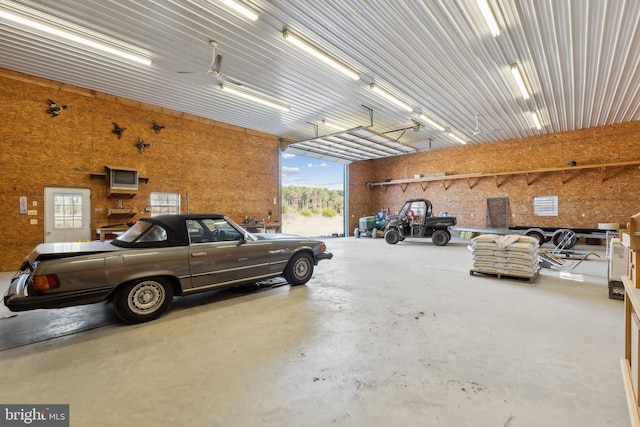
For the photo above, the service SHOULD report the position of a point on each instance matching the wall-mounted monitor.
(123, 179)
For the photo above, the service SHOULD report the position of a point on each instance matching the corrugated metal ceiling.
(579, 59)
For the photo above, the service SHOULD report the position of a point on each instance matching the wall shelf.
(472, 178)
(123, 194)
(121, 211)
(630, 363)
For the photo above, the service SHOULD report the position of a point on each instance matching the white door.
(67, 214)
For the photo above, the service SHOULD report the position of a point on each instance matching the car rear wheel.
(440, 237)
(143, 300)
(299, 269)
(392, 237)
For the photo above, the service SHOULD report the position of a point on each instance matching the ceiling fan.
(216, 63)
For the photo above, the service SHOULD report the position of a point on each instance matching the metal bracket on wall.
(569, 175)
(499, 183)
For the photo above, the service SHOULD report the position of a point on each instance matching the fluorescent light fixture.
(456, 138)
(316, 53)
(72, 36)
(489, 17)
(431, 122)
(241, 9)
(386, 95)
(536, 120)
(519, 80)
(255, 97)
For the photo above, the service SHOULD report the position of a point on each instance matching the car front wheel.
(299, 269)
(143, 300)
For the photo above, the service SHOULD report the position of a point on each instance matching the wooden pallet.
(507, 276)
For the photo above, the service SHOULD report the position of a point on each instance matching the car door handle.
(198, 254)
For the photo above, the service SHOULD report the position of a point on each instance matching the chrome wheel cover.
(301, 268)
(146, 297)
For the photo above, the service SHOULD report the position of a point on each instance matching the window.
(67, 211)
(545, 206)
(211, 230)
(143, 231)
(165, 203)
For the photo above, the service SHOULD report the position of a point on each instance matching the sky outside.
(309, 172)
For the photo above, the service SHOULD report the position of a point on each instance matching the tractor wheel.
(392, 237)
(440, 237)
(374, 233)
(356, 232)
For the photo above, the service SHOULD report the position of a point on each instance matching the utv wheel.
(440, 237)
(299, 269)
(391, 237)
(143, 300)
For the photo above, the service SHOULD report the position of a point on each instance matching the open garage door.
(350, 145)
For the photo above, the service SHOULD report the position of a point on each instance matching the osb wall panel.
(214, 167)
(361, 202)
(586, 197)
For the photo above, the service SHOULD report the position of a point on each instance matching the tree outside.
(312, 211)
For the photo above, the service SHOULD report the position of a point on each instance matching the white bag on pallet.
(512, 255)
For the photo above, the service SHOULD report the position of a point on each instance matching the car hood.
(280, 236)
(65, 249)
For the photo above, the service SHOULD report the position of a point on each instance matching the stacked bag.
(512, 255)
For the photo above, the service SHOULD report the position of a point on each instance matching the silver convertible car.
(155, 259)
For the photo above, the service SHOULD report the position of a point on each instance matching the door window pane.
(67, 211)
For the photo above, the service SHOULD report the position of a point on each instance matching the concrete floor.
(381, 336)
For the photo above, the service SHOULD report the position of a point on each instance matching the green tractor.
(370, 225)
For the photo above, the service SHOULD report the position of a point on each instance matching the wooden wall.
(215, 167)
(585, 197)
(222, 168)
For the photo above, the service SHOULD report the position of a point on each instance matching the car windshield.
(143, 231)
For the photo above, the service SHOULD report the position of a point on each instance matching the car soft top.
(177, 234)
